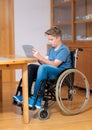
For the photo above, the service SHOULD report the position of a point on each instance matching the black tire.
(43, 114)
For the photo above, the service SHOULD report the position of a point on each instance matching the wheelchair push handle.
(80, 49)
(76, 51)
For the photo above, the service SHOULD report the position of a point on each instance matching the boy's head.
(54, 31)
(54, 35)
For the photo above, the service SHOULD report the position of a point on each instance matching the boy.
(57, 59)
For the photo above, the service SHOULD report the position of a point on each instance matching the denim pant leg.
(45, 72)
(32, 73)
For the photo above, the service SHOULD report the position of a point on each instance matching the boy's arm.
(45, 60)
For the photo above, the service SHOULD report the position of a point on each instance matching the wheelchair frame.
(70, 90)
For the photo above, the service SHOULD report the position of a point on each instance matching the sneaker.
(18, 98)
(31, 102)
(38, 104)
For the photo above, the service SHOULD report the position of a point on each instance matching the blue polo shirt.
(62, 54)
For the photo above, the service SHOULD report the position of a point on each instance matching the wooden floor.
(11, 118)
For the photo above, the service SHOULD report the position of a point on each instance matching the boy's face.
(53, 41)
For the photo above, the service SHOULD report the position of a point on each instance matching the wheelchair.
(70, 89)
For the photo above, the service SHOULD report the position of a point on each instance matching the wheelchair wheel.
(43, 114)
(72, 91)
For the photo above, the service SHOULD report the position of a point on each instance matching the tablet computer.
(28, 50)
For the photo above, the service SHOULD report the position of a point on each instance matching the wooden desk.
(19, 62)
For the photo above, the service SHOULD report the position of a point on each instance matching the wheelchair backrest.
(74, 56)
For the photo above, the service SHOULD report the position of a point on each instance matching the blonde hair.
(54, 31)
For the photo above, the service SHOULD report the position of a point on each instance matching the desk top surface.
(11, 59)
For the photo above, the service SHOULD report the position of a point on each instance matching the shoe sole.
(30, 105)
(38, 107)
(14, 98)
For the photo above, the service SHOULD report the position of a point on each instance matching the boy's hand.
(36, 54)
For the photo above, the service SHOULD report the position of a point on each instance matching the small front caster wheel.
(43, 114)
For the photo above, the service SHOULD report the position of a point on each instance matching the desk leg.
(25, 93)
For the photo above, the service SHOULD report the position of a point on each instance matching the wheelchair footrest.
(32, 108)
(17, 104)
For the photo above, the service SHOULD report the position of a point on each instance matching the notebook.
(28, 50)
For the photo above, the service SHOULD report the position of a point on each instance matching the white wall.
(31, 20)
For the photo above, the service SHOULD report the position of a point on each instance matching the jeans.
(32, 73)
(41, 72)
